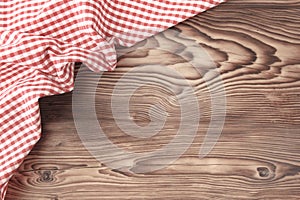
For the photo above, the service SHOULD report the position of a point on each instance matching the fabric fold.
(41, 40)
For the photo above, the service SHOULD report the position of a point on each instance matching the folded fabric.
(40, 42)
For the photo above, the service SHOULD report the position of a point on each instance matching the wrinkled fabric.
(40, 42)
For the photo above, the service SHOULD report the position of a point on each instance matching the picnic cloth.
(42, 39)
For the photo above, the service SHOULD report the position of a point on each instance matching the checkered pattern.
(40, 41)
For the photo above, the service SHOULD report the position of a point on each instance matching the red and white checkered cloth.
(42, 39)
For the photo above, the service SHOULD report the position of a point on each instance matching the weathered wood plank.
(256, 46)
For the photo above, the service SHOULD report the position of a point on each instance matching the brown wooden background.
(256, 46)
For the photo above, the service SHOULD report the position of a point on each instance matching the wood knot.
(46, 176)
(54, 198)
(263, 172)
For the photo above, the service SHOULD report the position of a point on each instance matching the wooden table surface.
(256, 47)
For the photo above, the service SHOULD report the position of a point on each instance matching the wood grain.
(256, 46)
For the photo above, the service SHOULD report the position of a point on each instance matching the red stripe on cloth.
(41, 40)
